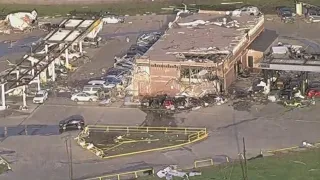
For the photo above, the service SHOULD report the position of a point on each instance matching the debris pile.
(182, 102)
(20, 21)
(171, 171)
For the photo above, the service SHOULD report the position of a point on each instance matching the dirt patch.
(114, 143)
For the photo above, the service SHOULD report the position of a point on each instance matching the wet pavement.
(29, 130)
(20, 46)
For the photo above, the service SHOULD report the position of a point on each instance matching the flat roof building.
(198, 53)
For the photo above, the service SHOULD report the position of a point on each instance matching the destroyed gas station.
(38, 66)
(197, 56)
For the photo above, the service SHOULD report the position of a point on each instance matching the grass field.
(267, 6)
(292, 166)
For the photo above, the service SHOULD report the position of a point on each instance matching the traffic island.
(118, 141)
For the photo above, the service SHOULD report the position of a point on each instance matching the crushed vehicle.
(180, 103)
(102, 83)
(313, 92)
(22, 20)
(114, 80)
(314, 15)
(124, 65)
(148, 39)
(82, 96)
(247, 10)
(72, 123)
(40, 97)
(91, 89)
(285, 13)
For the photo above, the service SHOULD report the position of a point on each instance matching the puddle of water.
(29, 130)
(159, 119)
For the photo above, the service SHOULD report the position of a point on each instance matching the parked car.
(91, 89)
(313, 93)
(118, 72)
(101, 83)
(248, 10)
(113, 80)
(82, 96)
(40, 97)
(285, 13)
(72, 122)
(314, 15)
(138, 48)
(124, 65)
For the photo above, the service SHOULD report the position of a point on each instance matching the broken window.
(198, 73)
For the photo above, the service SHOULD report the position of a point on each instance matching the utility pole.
(245, 160)
(67, 141)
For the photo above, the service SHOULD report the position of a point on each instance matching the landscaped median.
(118, 141)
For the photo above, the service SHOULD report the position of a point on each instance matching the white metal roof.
(73, 36)
(279, 50)
(86, 23)
(59, 35)
(71, 23)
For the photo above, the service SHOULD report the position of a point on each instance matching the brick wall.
(164, 79)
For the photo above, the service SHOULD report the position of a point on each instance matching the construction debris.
(21, 20)
(248, 10)
(170, 172)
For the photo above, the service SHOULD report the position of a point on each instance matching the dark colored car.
(72, 123)
(285, 13)
(138, 48)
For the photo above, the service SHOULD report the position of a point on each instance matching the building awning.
(264, 40)
(291, 67)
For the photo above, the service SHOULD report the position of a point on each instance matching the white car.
(84, 97)
(40, 97)
(248, 10)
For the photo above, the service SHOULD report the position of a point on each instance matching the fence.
(125, 175)
(140, 129)
(194, 135)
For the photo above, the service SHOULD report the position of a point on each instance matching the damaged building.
(199, 53)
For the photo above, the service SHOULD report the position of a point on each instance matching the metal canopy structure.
(307, 65)
(68, 32)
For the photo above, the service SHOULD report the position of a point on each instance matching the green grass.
(293, 166)
(3, 168)
(267, 6)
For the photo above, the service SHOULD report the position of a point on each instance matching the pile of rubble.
(181, 103)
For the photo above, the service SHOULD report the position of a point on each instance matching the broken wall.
(156, 79)
(165, 79)
(141, 80)
(240, 54)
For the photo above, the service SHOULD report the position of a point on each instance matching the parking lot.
(43, 155)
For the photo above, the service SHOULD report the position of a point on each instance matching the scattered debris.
(21, 20)
(170, 172)
(248, 10)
